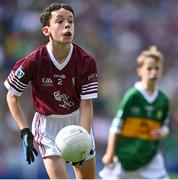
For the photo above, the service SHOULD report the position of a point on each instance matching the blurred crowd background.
(114, 32)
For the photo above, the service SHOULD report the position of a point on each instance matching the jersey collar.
(149, 98)
(53, 59)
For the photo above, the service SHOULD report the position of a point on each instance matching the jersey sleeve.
(18, 79)
(118, 121)
(89, 86)
(166, 113)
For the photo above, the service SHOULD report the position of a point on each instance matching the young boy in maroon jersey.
(63, 79)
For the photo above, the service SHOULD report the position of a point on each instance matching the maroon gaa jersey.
(56, 88)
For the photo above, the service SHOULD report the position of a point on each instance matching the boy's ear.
(46, 31)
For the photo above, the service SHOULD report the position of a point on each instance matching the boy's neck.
(60, 51)
(149, 88)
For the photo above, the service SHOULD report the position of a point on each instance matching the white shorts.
(154, 170)
(45, 129)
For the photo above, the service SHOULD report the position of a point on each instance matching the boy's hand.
(29, 149)
(108, 158)
(160, 133)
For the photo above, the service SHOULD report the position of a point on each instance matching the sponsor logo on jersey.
(92, 76)
(63, 99)
(47, 81)
(149, 110)
(159, 114)
(135, 110)
(20, 73)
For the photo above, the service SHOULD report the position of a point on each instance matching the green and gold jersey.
(138, 115)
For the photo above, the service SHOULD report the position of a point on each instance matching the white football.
(74, 143)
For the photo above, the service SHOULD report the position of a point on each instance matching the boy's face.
(61, 28)
(150, 71)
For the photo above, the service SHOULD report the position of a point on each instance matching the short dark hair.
(46, 13)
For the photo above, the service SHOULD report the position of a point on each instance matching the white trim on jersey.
(15, 81)
(89, 96)
(92, 88)
(90, 85)
(87, 88)
(53, 59)
(11, 89)
(116, 126)
(149, 98)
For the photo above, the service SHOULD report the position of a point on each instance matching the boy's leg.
(87, 170)
(55, 167)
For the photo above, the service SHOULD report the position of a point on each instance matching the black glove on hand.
(82, 161)
(29, 149)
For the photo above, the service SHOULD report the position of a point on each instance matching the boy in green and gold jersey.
(140, 124)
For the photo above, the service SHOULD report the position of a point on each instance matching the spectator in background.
(140, 124)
